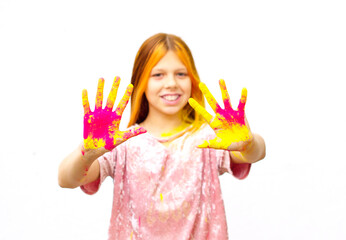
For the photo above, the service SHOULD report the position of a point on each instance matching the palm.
(101, 127)
(229, 125)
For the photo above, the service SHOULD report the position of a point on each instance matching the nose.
(170, 81)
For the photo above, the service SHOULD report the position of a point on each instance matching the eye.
(157, 75)
(182, 74)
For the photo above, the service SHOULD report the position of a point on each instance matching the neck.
(164, 125)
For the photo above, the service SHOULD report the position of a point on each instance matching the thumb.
(205, 144)
(125, 135)
(134, 132)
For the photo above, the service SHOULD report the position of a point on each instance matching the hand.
(101, 127)
(231, 128)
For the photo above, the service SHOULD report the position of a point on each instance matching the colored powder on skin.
(232, 120)
(161, 197)
(86, 171)
(101, 127)
(228, 124)
(175, 130)
(93, 143)
(82, 152)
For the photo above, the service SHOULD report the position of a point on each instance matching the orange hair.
(148, 55)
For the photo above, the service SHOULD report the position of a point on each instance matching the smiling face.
(169, 87)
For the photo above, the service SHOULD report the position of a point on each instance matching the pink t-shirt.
(167, 192)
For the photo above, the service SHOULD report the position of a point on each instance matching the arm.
(101, 134)
(231, 127)
(78, 169)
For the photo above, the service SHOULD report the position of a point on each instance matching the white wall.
(289, 54)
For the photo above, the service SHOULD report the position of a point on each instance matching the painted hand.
(231, 128)
(101, 127)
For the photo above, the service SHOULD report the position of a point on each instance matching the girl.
(165, 166)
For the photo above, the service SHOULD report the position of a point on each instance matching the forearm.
(75, 169)
(254, 152)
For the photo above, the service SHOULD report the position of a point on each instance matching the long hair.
(148, 55)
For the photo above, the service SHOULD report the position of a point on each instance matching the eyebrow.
(160, 69)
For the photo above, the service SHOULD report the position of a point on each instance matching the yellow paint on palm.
(236, 133)
(93, 143)
(118, 137)
(228, 124)
(101, 127)
(224, 139)
(91, 117)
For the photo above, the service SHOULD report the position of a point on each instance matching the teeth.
(171, 97)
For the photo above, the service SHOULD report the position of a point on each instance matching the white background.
(290, 55)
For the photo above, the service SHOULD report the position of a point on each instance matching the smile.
(171, 97)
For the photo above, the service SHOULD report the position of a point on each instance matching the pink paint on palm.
(98, 124)
(229, 124)
(234, 117)
(101, 127)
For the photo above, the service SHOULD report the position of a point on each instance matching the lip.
(170, 94)
(167, 102)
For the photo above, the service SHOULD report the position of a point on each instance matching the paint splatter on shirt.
(167, 192)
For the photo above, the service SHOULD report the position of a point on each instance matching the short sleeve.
(107, 167)
(225, 164)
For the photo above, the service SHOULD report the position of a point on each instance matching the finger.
(242, 100)
(201, 110)
(113, 94)
(99, 94)
(247, 125)
(216, 124)
(125, 135)
(210, 98)
(134, 132)
(86, 105)
(225, 97)
(121, 106)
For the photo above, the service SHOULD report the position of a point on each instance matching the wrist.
(91, 154)
(255, 151)
(250, 146)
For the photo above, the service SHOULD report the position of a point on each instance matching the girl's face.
(169, 86)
